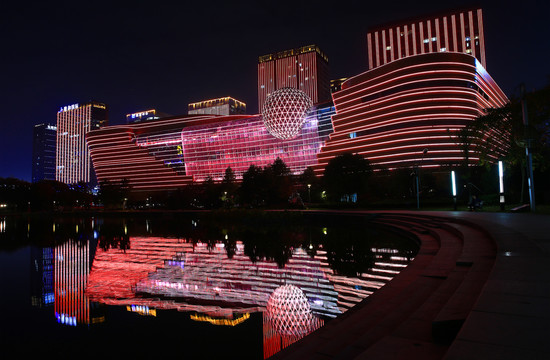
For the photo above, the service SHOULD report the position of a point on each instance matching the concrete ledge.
(479, 288)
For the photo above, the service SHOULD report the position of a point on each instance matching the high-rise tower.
(456, 31)
(305, 68)
(43, 152)
(73, 163)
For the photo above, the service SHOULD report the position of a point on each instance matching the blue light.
(453, 182)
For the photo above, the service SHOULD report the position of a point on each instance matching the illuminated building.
(43, 152)
(170, 153)
(146, 115)
(406, 111)
(222, 106)
(305, 68)
(391, 113)
(73, 162)
(459, 31)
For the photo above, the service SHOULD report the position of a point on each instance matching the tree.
(211, 194)
(113, 194)
(278, 182)
(229, 188)
(251, 186)
(309, 185)
(500, 134)
(345, 175)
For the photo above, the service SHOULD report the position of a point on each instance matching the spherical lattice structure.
(284, 112)
(289, 311)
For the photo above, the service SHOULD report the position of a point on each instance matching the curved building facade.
(392, 113)
(173, 152)
(407, 113)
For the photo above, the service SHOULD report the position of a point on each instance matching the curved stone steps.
(418, 313)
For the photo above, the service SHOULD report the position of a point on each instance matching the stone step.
(413, 314)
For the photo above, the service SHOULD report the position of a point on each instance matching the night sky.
(139, 55)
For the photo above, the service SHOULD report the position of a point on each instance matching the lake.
(196, 285)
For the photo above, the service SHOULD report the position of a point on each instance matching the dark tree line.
(347, 178)
(44, 195)
(271, 186)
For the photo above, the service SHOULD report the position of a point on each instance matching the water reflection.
(219, 273)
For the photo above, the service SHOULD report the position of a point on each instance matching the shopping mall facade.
(389, 115)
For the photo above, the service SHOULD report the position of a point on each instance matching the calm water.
(184, 285)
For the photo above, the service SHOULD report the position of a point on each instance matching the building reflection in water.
(72, 266)
(217, 282)
(173, 273)
(59, 274)
(42, 282)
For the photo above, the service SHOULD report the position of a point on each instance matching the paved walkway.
(511, 319)
(478, 289)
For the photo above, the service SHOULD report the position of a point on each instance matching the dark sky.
(158, 54)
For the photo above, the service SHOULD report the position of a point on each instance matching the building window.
(388, 47)
(426, 41)
(434, 38)
(352, 135)
(443, 49)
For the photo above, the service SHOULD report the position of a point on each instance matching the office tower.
(43, 152)
(146, 115)
(221, 106)
(73, 163)
(459, 31)
(305, 68)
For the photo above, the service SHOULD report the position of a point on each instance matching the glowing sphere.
(289, 311)
(284, 112)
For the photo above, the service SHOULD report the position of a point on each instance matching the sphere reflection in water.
(290, 312)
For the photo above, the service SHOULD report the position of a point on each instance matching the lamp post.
(501, 184)
(417, 172)
(309, 192)
(530, 179)
(453, 186)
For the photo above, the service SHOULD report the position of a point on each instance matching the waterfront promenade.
(479, 288)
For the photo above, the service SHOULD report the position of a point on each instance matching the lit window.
(468, 51)
(443, 49)
(467, 38)
(353, 135)
(388, 47)
(434, 38)
(426, 41)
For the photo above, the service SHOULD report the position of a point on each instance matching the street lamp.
(501, 184)
(309, 192)
(528, 154)
(453, 184)
(417, 180)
